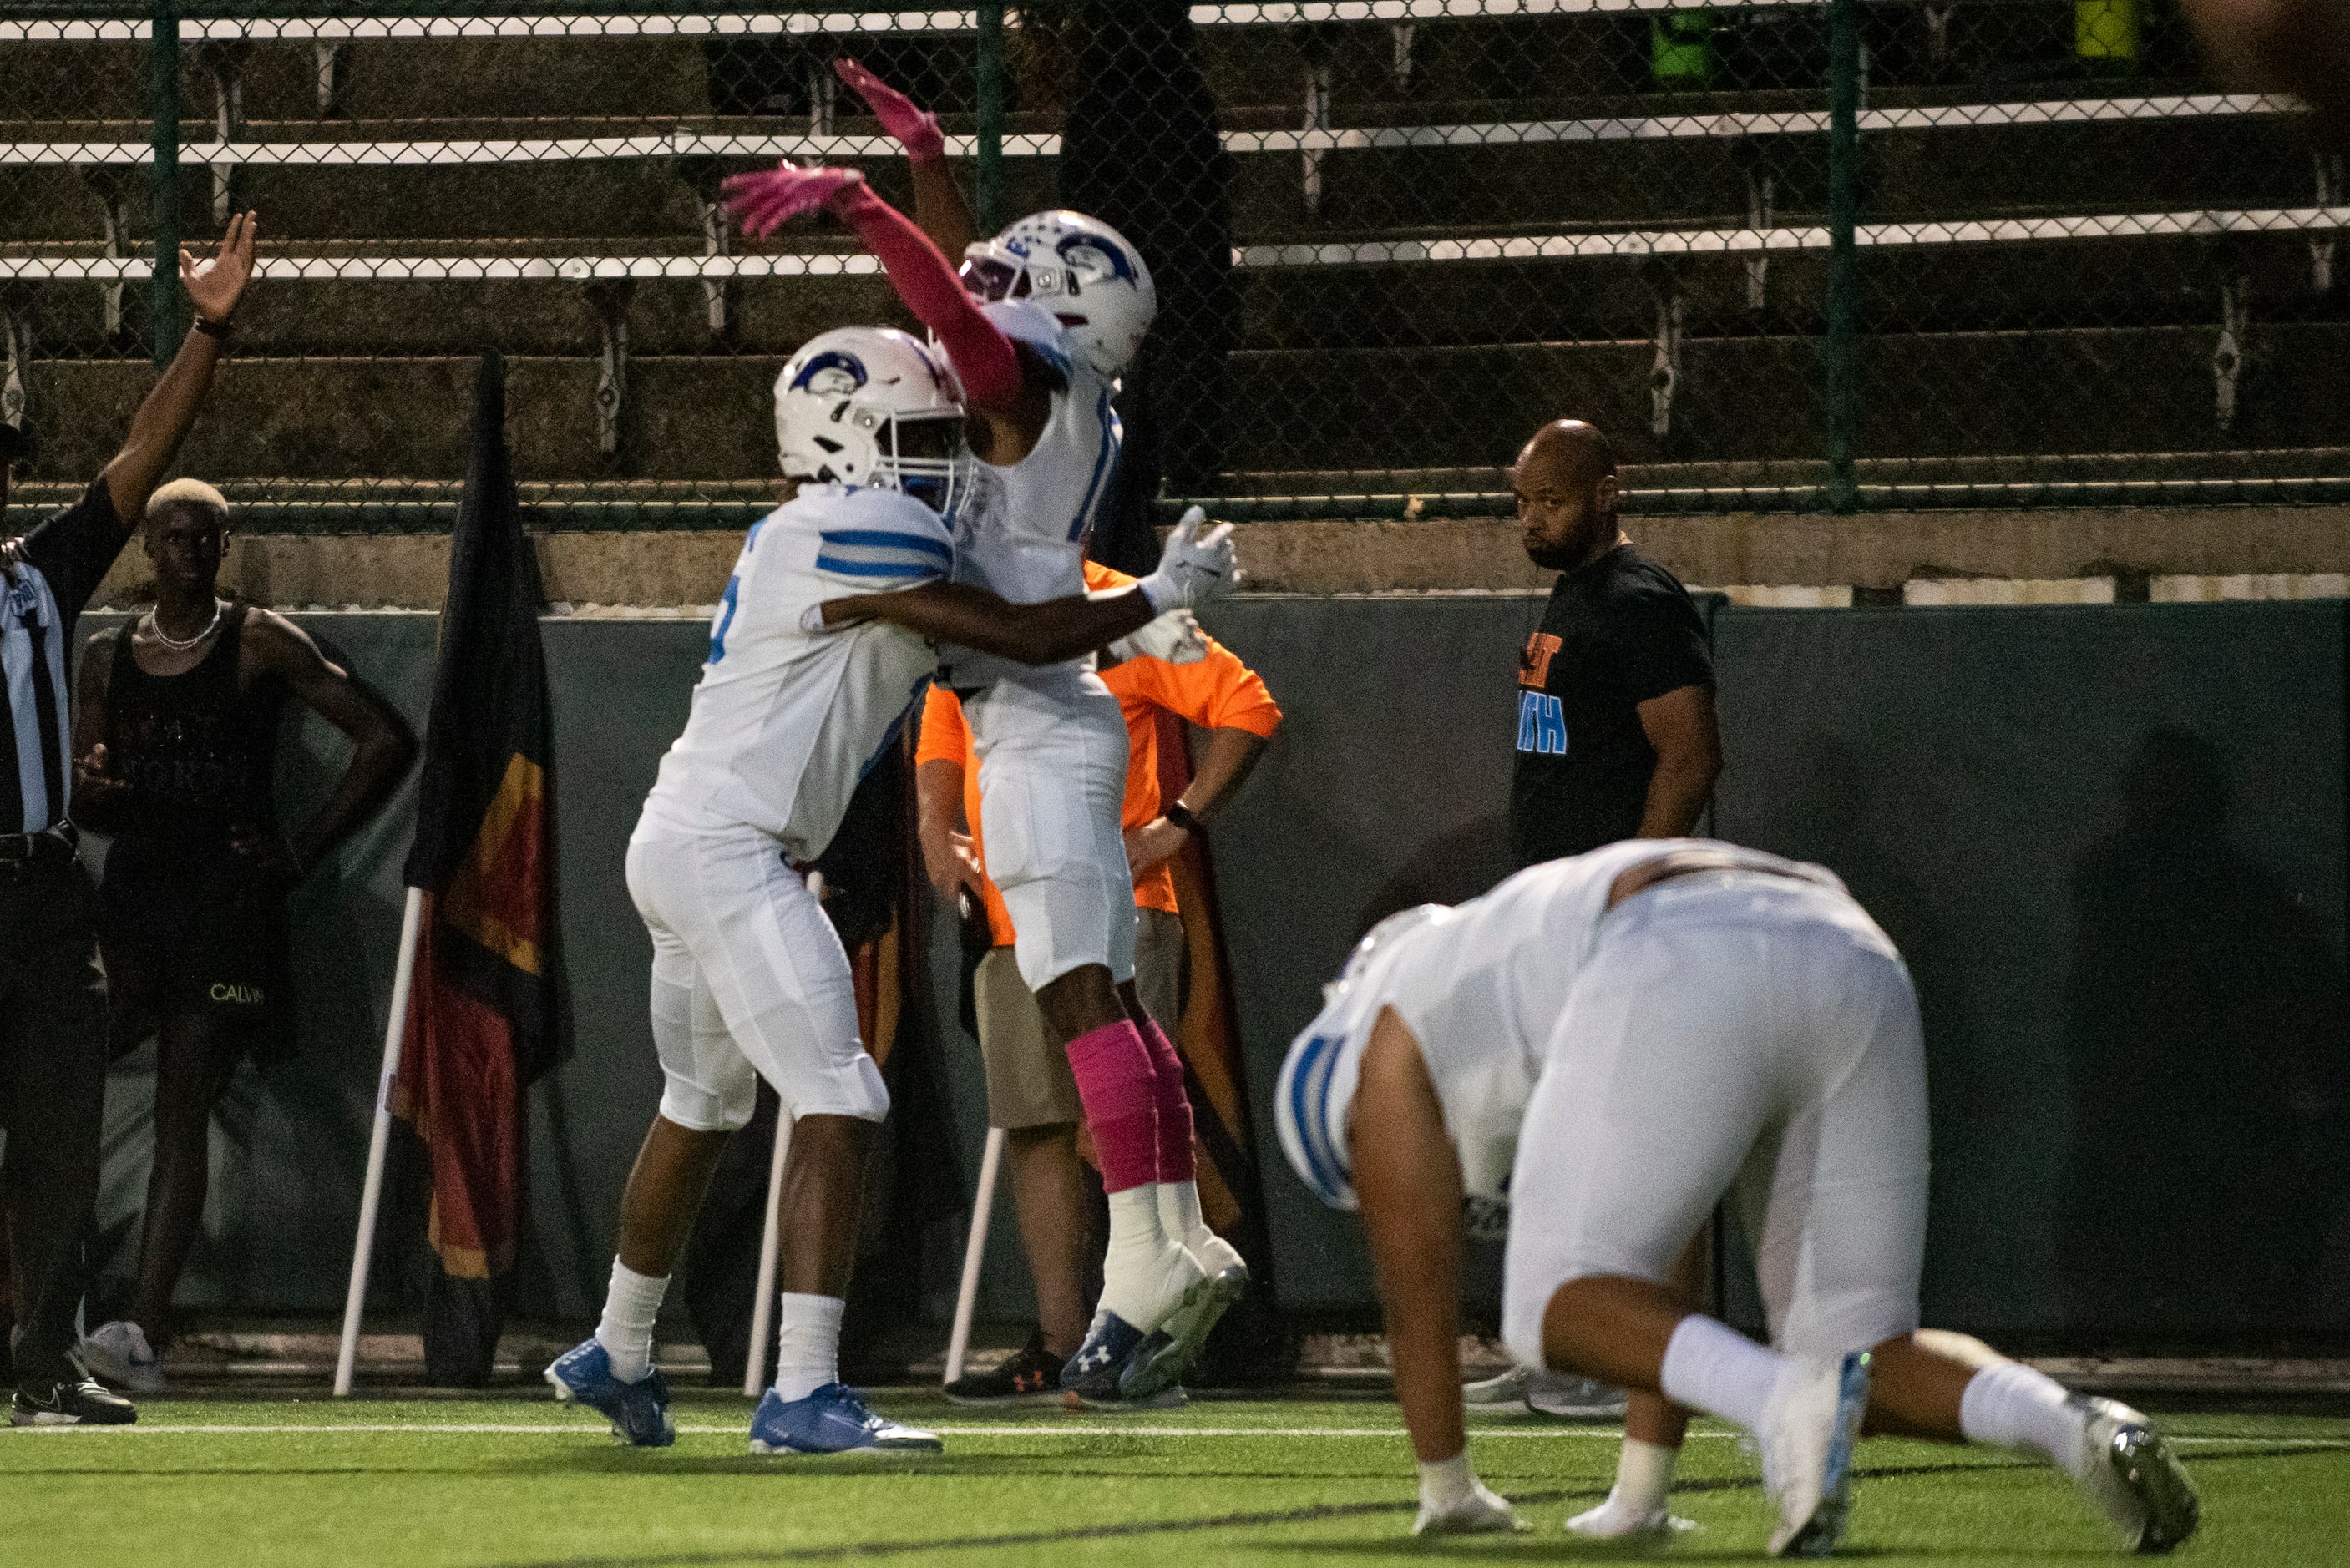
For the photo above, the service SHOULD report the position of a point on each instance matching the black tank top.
(198, 753)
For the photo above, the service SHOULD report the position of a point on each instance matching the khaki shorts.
(1029, 1084)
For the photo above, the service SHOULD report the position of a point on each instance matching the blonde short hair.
(187, 493)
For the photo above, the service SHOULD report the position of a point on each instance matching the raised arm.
(386, 744)
(1408, 1183)
(995, 387)
(939, 204)
(214, 288)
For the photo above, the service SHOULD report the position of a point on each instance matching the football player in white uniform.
(1064, 303)
(1592, 1054)
(817, 653)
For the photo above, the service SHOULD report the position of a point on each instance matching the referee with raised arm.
(52, 993)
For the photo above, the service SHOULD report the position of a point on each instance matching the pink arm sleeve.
(983, 356)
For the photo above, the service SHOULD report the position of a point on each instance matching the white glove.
(1175, 637)
(1193, 567)
(1453, 1501)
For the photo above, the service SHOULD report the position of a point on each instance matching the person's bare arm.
(99, 799)
(1225, 764)
(386, 744)
(161, 423)
(973, 618)
(1682, 729)
(1407, 1182)
(939, 825)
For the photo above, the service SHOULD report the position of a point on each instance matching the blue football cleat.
(639, 1411)
(1167, 1354)
(832, 1420)
(1092, 1373)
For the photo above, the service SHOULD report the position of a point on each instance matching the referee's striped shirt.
(40, 600)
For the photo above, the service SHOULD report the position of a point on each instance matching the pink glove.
(916, 129)
(766, 202)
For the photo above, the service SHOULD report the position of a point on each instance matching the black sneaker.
(77, 1402)
(1029, 1377)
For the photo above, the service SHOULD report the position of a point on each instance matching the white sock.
(1178, 1212)
(1136, 1283)
(1713, 1367)
(1644, 1476)
(630, 1304)
(809, 1355)
(2010, 1405)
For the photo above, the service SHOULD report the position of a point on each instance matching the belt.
(22, 852)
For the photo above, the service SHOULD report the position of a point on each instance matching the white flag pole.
(983, 1204)
(755, 1359)
(411, 919)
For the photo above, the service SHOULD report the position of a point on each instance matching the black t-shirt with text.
(1617, 633)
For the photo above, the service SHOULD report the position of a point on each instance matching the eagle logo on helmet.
(1094, 260)
(831, 374)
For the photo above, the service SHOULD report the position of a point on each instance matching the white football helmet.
(1315, 1091)
(852, 401)
(1081, 270)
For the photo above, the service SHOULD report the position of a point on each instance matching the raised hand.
(916, 129)
(1193, 567)
(764, 203)
(215, 286)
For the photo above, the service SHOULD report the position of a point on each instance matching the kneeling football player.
(1609, 1044)
(816, 654)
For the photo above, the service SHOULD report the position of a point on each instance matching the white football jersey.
(786, 721)
(1022, 532)
(1482, 986)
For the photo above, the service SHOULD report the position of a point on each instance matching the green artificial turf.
(515, 1480)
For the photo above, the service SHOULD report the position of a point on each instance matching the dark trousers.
(52, 1097)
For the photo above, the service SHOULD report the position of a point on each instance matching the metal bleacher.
(1434, 253)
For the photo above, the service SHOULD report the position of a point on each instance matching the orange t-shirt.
(1219, 692)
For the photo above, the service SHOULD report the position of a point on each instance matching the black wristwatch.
(1181, 816)
(220, 329)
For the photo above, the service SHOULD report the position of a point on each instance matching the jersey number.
(726, 600)
(725, 618)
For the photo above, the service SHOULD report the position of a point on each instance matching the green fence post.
(1844, 256)
(991, 119)
(164, 92)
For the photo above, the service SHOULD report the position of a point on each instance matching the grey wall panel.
(2111, 843)
(1386, 786)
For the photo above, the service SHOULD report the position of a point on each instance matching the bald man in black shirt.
(1616, 737)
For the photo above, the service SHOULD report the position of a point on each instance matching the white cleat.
(2132, 1475)
(1573, 1398)
(1614, 1521)
(1505, 1392)
(1215, 1257)
(1556, 1394)
(117, 1352)
(1809, 1426)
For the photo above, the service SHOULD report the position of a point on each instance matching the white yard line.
(1073, 1428)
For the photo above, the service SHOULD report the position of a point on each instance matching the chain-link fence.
(1809, 254)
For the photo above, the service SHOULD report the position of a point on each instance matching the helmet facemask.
(923, 456)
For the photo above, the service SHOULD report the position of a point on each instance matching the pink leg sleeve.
(1175, 1162)
(1117, 1085)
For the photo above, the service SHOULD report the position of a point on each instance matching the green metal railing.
(1792, 254)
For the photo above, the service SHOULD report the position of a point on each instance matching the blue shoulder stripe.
(848, 568)
(889, 538)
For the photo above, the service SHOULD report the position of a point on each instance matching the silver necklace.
(155, 624)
